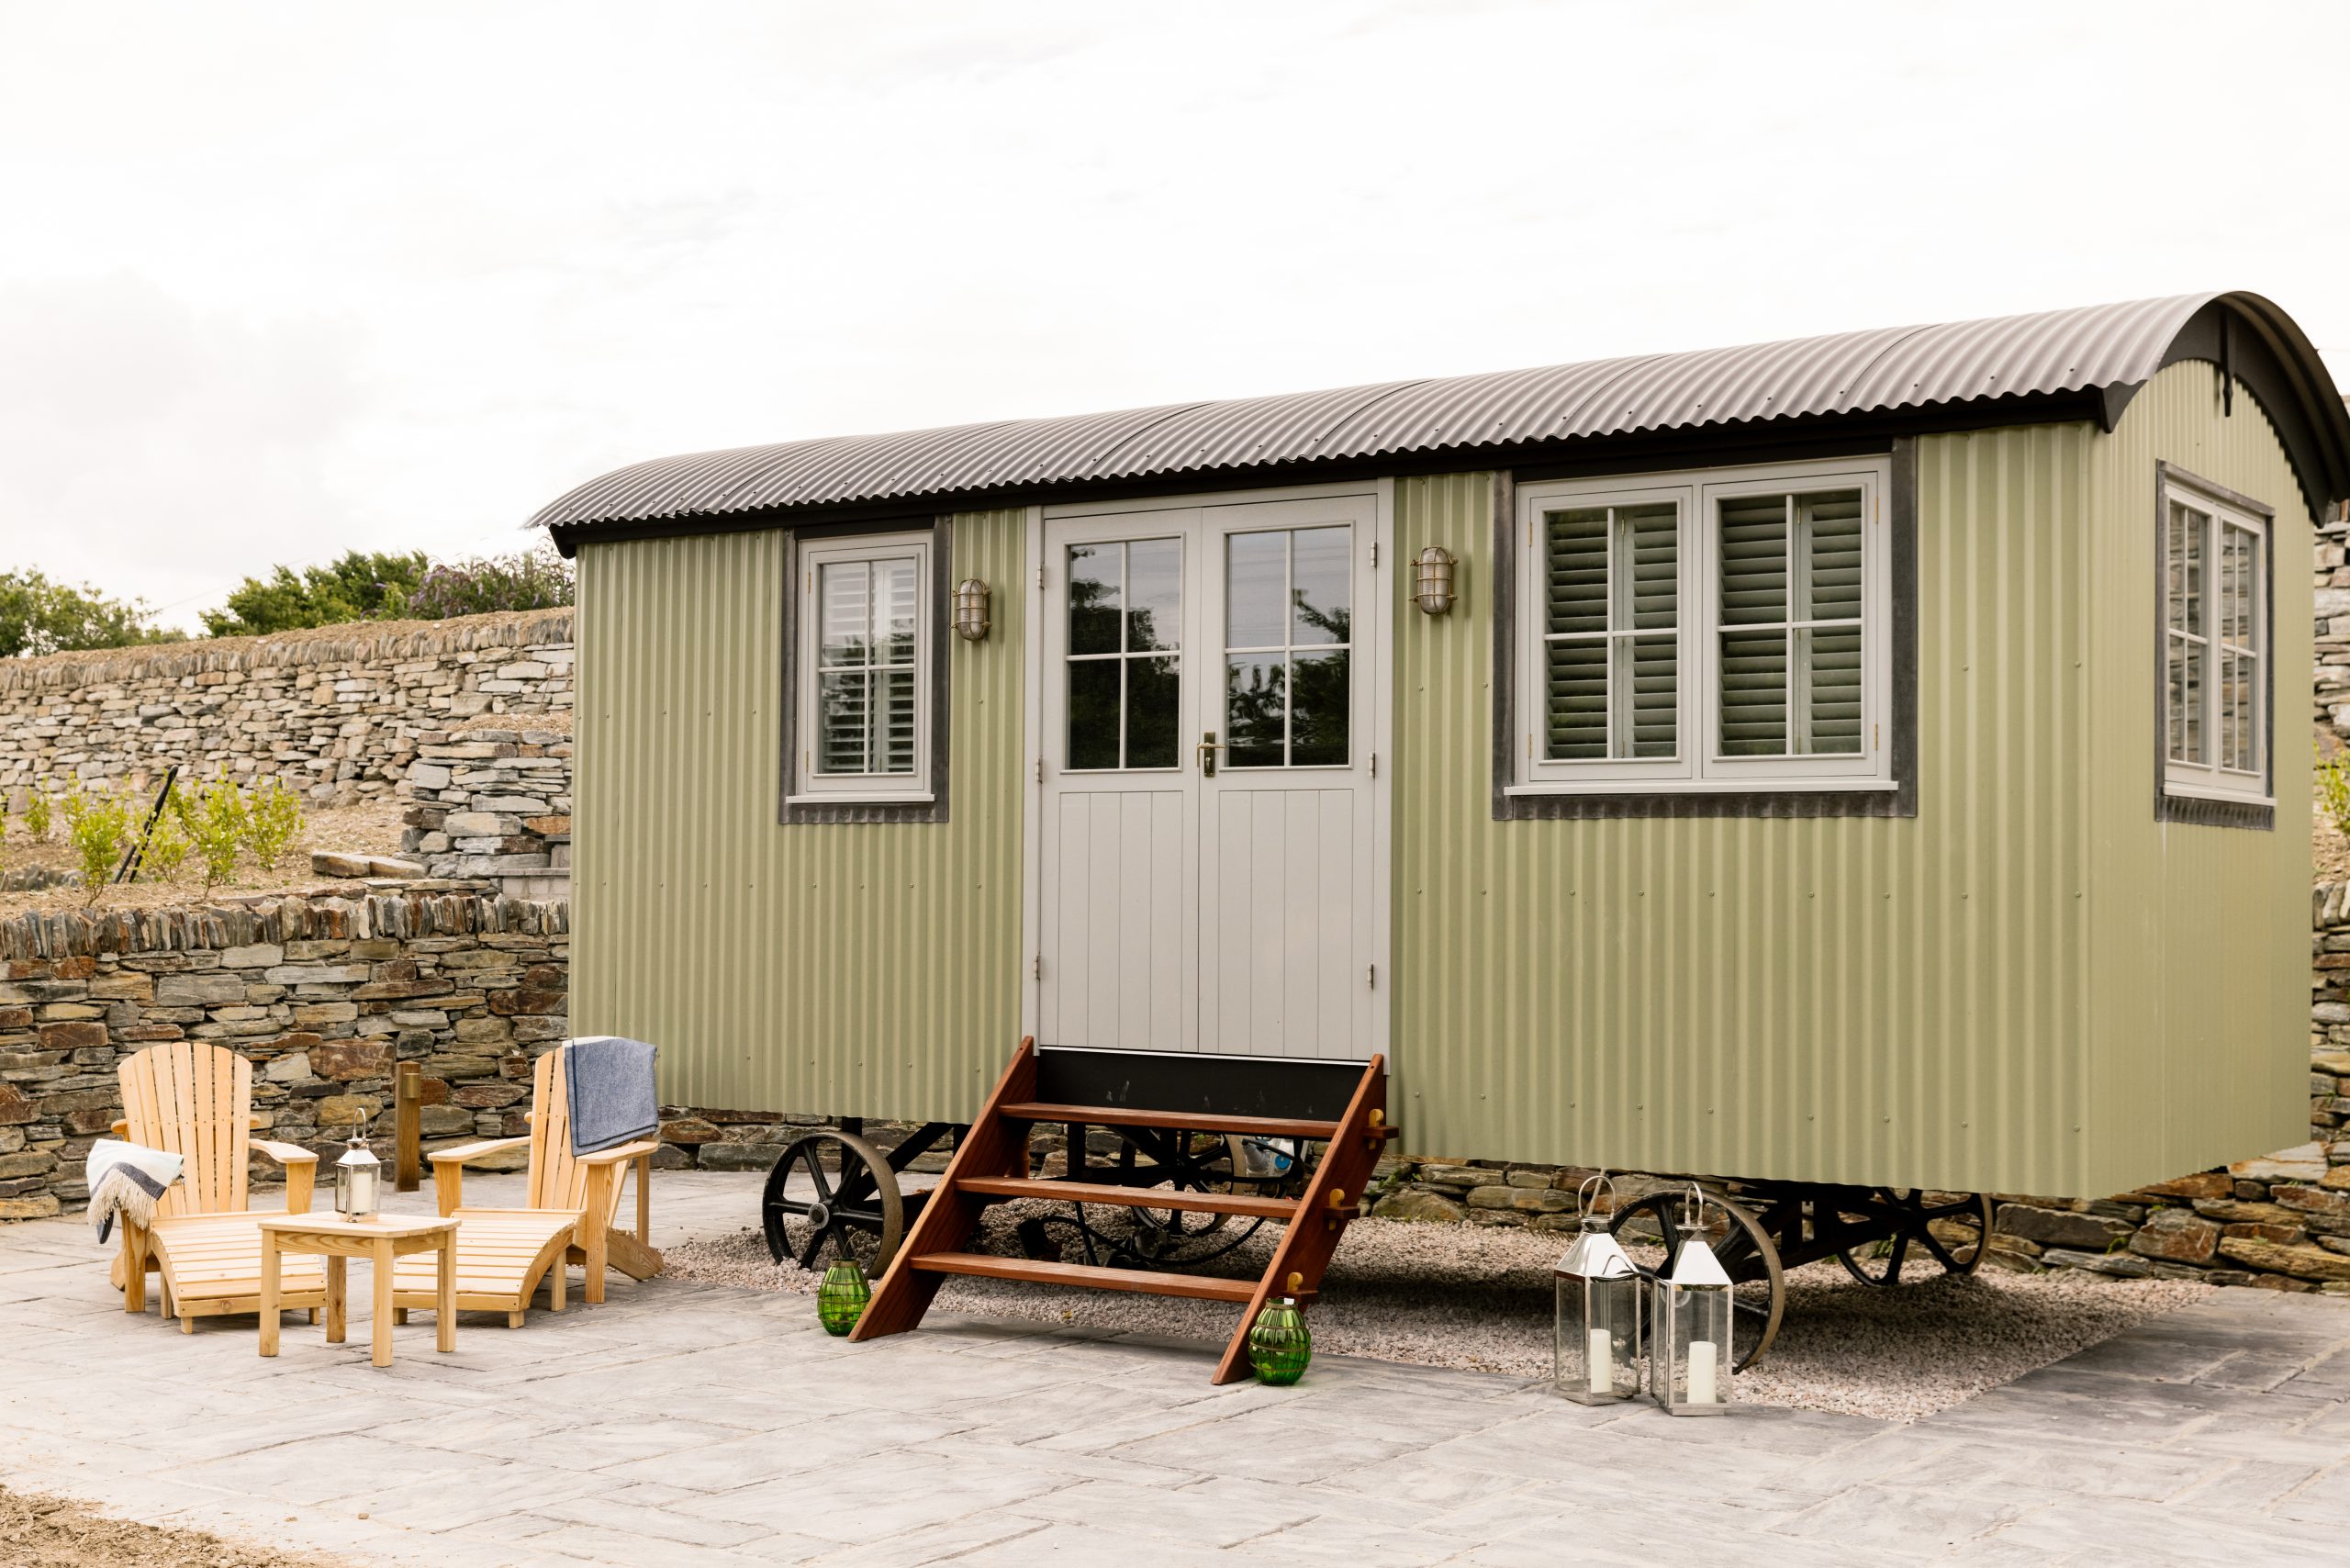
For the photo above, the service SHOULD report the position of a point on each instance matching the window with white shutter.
(1726, 633)
(2215, 676)
(863, 706)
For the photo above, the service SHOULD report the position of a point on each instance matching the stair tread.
(1241, 1204)
(1195, 1121)
(1199, 1287)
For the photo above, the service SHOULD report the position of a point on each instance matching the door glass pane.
(1096, 573)
(1320, 586)
(1256, 590)
(1256, 715)
(1153, 685)
(1094, 712)
(843, 592)
(1154, 594)
(1319, 705)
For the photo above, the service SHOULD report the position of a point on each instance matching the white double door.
(1206, 857)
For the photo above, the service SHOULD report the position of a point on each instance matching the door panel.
(1187, 907)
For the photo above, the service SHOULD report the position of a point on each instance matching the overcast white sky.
(279, 280)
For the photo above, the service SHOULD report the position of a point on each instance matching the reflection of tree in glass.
(1097, 625)
(1320, 710)
(1254, 700)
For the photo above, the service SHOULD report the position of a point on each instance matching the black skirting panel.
(1213, 1085)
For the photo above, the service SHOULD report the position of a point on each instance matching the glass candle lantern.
(841, 1297)
(1280, 1344)
(1596, 1350)
(1690, 1312)
(358, 1180)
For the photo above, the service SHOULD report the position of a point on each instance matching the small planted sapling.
(272, 819)
(99, 827)
(214, 816)
(167, 847)
(37, 815)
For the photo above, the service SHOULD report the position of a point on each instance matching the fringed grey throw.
(612, 1097)
(128, 1179)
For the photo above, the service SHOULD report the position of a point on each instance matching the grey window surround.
(2200, 811)
(937, 593)
(1901, 801)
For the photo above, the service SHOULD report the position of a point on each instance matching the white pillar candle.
(1599, 1359)
(1701, 1372)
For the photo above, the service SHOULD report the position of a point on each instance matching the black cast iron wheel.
(1747, 1254)
(1953, 1230)
(847, 1204)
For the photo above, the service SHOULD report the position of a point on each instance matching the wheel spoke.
(1927, 1239)
(816, 1245)
(1893, 1263)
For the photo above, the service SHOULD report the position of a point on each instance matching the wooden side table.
(380, 1240)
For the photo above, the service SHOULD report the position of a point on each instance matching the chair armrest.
(448, 1168)
(458, 1154)
(301, 1172)
(120, 1130)
(619, 1155)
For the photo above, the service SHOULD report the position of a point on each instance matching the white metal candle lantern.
(1689, 1354)
(1596, 1355)
(358, 1180)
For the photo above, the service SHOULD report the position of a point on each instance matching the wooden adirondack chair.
(195, 1101)
(503, 1254)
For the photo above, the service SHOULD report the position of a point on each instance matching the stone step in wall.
(492, 798)
(337, 710)
(325, 995)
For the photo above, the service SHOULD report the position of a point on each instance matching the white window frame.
(809, 787)
(1696, 768)
(2209, 780)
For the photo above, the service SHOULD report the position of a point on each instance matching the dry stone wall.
(338, 710)
(491, 799)
(324, 994)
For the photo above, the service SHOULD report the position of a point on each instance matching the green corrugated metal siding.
(2201, 933)
(1844, 1000)
(870, 968)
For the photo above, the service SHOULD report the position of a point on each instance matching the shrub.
(272, 819)
(166, 848)
(214, 816)
(98, 825)
(358, 587)
(37, 815)
(2333, 788)
(37, 616)
(531, 579)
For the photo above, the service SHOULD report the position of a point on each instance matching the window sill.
(2227, 797)
(1649, 787)
(863, 798)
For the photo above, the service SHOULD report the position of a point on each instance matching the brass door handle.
(1207, 748)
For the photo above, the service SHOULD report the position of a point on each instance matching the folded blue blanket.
(611, 1090)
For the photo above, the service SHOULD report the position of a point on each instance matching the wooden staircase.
(991, 1164)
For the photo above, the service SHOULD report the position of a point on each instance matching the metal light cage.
(1432, 580)
(971, 610)
(1595, 1351)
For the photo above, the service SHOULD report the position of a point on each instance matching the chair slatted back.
(195, 1101)
(557, 1181)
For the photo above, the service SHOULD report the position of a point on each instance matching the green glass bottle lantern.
(841, 1298)
(1280, 1345)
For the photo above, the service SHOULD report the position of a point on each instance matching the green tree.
(37, 616)
(358, 587)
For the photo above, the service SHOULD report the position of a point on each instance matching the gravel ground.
(40, 1531)
(1481, 1299)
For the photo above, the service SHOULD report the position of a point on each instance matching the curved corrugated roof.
(2108, 350)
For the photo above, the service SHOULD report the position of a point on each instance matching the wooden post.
(407, 1118)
